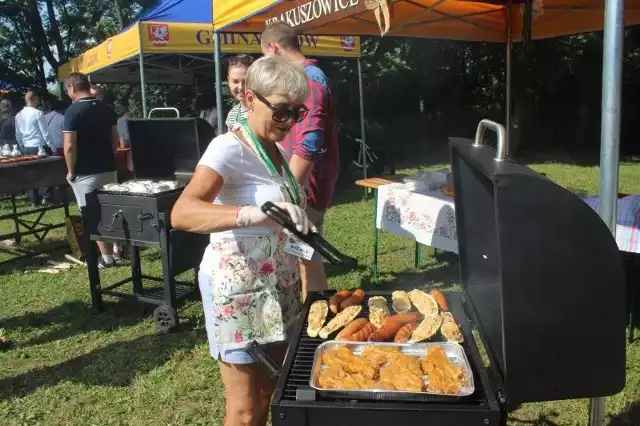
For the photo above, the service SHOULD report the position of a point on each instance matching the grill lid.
(163, 148)
(543, 277)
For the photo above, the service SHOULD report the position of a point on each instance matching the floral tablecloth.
(628, 229)
(428, 217)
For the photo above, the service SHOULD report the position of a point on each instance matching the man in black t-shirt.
(90, 144)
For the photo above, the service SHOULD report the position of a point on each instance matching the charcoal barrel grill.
(164, 150)
(542, 284)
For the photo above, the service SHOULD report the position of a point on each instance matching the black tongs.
(315, 240)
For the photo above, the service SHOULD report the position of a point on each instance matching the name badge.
(298, 248)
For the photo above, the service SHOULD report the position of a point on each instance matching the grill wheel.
(165, 318)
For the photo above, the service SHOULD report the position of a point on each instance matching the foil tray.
(455, 353)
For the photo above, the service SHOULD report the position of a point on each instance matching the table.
(373, 184)
(18, 177)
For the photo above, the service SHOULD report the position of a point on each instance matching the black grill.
(542, 283)
(162, 149)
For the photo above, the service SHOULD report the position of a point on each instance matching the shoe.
(46, 202)
(117, 252)
(103, 264)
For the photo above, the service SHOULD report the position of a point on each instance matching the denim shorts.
(220, 352)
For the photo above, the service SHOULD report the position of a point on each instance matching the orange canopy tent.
(444, 19)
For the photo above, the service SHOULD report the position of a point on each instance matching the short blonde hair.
(273, 74)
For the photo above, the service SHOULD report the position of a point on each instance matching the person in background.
(122, 109)
(248, 282)
(55, 120)
(206, 109)
(236, 75)
(32, 136)
(312, 143)
(96, 92)
(7, 123)
(90, 143)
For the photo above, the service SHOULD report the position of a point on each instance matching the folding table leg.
(418, 255)
(374, 267)
(632, 302)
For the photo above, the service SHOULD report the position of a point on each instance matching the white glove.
(251, 216)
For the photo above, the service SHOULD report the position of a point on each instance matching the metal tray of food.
(365, 387)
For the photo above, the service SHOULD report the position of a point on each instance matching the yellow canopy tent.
(173, 43)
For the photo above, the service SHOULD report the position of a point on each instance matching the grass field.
(67, 366)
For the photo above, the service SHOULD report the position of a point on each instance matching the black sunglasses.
(282, 114)
(245, 60)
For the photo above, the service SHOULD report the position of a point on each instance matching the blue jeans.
(34, 195)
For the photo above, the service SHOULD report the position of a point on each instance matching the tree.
(33, 31)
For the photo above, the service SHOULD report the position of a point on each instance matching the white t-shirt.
(247, 181)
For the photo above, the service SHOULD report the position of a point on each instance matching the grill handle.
(501, 151)
(164, 109)
(145, 216)
(258, 353)
(114, 217)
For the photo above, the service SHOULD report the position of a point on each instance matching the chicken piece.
(330, 377)
(403, 374)
(377, 356)
(349, 362)
(442, 375)
(364, 382)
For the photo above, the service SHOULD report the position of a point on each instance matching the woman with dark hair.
(236, 76)
(206, 109)
(7, 124)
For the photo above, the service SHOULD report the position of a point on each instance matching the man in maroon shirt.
(312, 143)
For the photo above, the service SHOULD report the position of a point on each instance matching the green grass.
(68, 366)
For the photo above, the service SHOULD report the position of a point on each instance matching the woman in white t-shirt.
(236, 78)
(249, 284)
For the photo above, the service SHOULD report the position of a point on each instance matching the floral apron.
(255, 282)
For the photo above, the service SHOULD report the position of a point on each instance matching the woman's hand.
(251, 216)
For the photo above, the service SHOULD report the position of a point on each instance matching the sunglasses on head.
(245, 60)
(282, 114)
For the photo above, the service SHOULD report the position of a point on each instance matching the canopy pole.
(217, 61)
(508, 65)
(143, 84)
(609, 138)
(363, 132)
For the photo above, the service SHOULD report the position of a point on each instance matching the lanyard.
(292, 188)
(239, 113)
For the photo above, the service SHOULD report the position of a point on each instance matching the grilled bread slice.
(450, 329)
(424, 302)
(340, 320)
(401, 301)
(427, 329)
(317, 317)
(378, 310)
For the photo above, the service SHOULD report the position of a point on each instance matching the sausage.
(402, 336)
(356, 298)
(439, 296)
(351, 328)
(392, 325)
(337, 298)
(363, 334)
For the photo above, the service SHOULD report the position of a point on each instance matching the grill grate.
(140, 194)
(299, 374)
